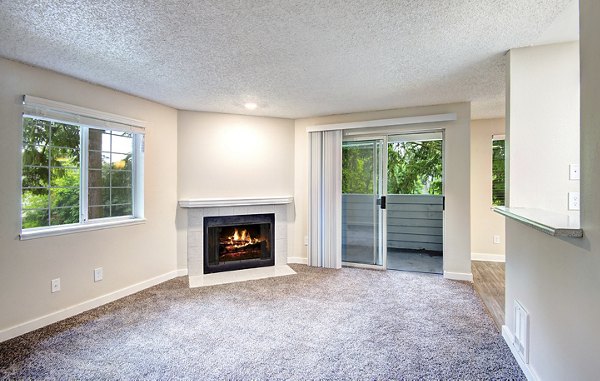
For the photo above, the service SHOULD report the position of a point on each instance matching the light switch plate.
(574, 172)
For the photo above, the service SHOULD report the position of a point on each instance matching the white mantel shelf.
(221, 202)
(552, 223)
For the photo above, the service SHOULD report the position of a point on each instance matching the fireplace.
(238, 242)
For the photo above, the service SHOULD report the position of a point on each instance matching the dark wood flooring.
(488, 280)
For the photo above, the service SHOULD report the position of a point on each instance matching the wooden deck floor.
(488, 280)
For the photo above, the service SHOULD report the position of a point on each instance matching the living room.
(230, 153)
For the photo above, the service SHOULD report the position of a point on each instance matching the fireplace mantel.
(198, 210)
(221, 202)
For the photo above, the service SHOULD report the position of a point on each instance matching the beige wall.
(129, 255)
(485, 224)
(224, 155)
(544, 125)
(457, 241)
(557, 280)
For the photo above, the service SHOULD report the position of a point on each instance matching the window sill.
(551, 223)
(61, 230)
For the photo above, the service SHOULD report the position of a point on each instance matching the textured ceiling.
(293, 58)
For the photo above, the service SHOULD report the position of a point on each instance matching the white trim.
(458, 276)
(182, 272)
(527, 369)
(41, 105)
(487, 257)
(65, 313)
(220, 202)
(75, 228)
(385, 122)
(298, 260)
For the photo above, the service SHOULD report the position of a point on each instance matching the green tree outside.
(413, 168)
(498, 172)
(51, 174)
(50, 178)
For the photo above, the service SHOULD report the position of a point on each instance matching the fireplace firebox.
(238, 242)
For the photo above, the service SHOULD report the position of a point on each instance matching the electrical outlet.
(98, 274)
(496, 239)
(574, 201)
(55, 285)
(574, 172)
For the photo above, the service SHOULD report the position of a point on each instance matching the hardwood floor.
(488, 280)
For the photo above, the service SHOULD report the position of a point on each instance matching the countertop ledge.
(551, 223)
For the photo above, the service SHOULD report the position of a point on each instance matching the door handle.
(382, 202)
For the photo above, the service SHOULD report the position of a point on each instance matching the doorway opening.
(393, 201)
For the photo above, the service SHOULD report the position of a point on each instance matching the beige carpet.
(319, 324)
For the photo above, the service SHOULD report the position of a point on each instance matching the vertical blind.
(325, 199)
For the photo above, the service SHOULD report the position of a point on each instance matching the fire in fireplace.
(238, 242)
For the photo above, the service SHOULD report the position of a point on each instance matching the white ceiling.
(293, 58)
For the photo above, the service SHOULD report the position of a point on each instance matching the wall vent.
(521, 337)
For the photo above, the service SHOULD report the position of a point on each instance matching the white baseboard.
(488, 257)
(182, 272)
(526, 368)
(300, 260)
(42, 321)
(458, 276)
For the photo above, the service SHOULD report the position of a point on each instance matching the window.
(78, 174)
(498, 168)
(110, 191)
(414, 166)
(51, 173)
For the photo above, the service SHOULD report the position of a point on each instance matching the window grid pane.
(110, 175)
(51, 175)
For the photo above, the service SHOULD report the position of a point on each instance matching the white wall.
(129, 254)
(543, 125)
(557, 280)
(457, 239)
(485, 224)
(225, 155)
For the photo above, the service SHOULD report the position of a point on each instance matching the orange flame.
(241, 238)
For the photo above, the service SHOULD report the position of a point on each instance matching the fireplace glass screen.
(238, 242)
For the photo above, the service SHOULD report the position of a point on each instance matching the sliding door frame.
(356, 135)
(381, 216)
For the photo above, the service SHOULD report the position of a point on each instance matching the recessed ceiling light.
(250, 105)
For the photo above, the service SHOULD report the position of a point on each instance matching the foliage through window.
(357, 169)
(55, 166)
(498, 169)
(415, 167)
(51, 168)
(109, 174)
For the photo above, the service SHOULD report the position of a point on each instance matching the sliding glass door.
(415, 202)
(363, 180)
(393, 202)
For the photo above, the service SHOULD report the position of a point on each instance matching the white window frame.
(85, 119)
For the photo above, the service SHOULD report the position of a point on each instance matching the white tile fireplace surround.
(200, 208)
